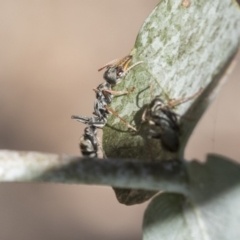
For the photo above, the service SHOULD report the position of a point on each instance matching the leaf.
(211, 211)
(183, 49)
(165, 218)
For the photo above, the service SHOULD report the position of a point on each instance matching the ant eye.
(120, 73)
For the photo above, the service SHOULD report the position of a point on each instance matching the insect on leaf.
(185, 46)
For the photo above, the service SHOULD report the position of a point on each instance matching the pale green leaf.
(183, 49)
(210, 212)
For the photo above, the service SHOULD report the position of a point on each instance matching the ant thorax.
(102, 93)
(100, 109)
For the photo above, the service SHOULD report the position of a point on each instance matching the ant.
(114, 73)
(165, 120)
(162, 121)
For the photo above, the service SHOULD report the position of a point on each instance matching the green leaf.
(165, 218)
(183, 49)
(211, 211)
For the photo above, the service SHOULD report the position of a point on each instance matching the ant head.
(157, 102)
(116, 69)
(156, 106)
(113, 74)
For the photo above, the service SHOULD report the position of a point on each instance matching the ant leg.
(122, 120)
(100, 147)
(119, 93)
(93, 121)
(103, 152)
(174, 102)
(84, 120)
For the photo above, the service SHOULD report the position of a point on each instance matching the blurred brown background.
(49, 55)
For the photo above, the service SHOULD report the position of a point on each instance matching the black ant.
(115, 71)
